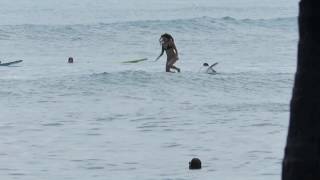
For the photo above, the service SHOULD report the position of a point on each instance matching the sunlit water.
(101, 119)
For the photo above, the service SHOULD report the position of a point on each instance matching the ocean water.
(101, 119)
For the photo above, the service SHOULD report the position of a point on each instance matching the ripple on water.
(95, 167)
(17, 174)
(172, 145)
(264, 125)
(53, 124)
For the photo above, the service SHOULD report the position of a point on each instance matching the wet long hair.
(166, 35)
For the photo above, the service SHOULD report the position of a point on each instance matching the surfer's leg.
(174, 67)
(167, 68)
(170, 64)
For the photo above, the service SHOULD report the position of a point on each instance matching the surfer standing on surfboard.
(167, 44)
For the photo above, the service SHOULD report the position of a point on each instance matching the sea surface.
(99, 118)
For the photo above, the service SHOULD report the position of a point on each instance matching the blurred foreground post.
(302, 153)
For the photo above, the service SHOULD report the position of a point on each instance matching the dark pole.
(302, 152)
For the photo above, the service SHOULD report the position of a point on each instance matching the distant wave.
(149, 23)
(196, 25)
(206, 21)
(130, 76)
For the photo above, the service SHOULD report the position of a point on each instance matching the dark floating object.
(9, 63)
(195, 163)
(136, 60)
(70, 60)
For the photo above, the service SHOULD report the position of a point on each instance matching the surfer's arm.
(211, 67)
(162, 51)
(211, 70)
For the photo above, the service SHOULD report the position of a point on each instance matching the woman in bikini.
(167, 44)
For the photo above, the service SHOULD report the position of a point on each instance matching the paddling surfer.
(168, 45)
(210, 69)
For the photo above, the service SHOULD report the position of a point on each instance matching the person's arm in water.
(162, 51)
(210, 69)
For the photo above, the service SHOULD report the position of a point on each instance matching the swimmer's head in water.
(205, 64)
(70, 60)
(195, 163)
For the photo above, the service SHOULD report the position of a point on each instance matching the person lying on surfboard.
(168, 45)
